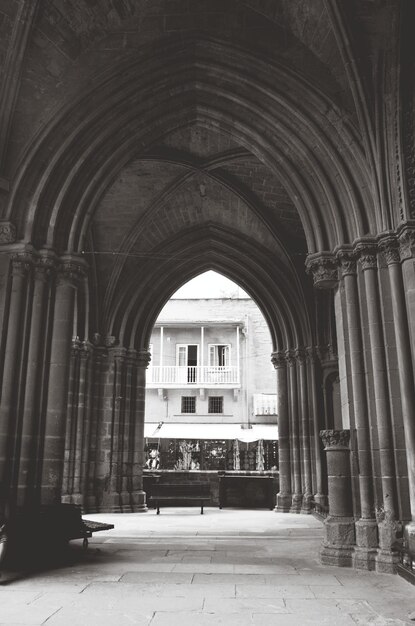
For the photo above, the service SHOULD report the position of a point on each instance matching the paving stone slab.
(245, 605)
(202, 619)
(155, 577)
(273, 591)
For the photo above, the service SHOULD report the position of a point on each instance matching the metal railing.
(193, 375)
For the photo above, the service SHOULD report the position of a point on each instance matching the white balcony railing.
(171, 375)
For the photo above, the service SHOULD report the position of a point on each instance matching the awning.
(210, 431)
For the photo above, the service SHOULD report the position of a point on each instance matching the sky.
(210, 285)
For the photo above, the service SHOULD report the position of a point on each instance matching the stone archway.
(211, 151)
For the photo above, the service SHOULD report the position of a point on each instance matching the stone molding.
(7, 232)
(337, 439)
(324, 270)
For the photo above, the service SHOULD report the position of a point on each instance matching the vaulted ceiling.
(129, 124)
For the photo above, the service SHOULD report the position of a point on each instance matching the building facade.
(211, 380)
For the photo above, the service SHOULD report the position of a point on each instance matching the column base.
(409, 534)
(339, 541)
(366, 551)
(296, 502)
(388, 556)
(306, 505)
(138, 502)
(283, 503)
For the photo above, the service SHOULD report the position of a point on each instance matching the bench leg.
(158, 509)
(201, 508)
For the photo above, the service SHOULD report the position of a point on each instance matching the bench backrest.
(194, 488)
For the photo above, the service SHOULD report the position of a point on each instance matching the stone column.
(20, 267)
(319, 496)
(69, 274)
(128, 436)
(304, 433)
(387, 528)
(339, 530)
(366, 527)
(284, 495)
(71, 423)
(82, 430)
(405, 369)
(297, 496)
(138, 496)
(117, 443)
(27, 489)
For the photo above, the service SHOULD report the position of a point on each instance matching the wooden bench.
(195, 492)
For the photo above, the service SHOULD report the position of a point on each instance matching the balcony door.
(187, 359)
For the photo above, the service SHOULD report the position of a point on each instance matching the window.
(215, 404)
(219, 355)
(188, 404)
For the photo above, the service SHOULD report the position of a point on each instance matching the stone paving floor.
(227, 567)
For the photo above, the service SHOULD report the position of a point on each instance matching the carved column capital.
(407, 243)
(300, 355)
(143, 358)
(347, 262)
(44, 267)
(290, 356)
(70, 271)
(118, 353)
(311, 354)
(76, 346)
(367, 255)
(109, 341)
(7, 232)
(278, 359)
(323, 267)
(21, 263)
(335, 439)
(389, 247)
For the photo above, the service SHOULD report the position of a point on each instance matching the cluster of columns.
(71, 411)
(300, 463)
(374, 287)
(105, 428)
(37, 313)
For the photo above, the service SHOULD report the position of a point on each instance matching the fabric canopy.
(210, 431)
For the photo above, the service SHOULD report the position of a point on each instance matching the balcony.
(170, 376)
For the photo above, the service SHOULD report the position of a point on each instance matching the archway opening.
(211, 396)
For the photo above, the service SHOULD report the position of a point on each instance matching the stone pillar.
(119, 356)
(138, 496)
(27, 490)
(297, 496)
(319, 497)
(304, 433)
(82, 431)
(366, 527)
(284, 495)
(71, 423)
(405, 369)
(93, 484)
(386, 558)
(339, 529)
(69, 274)
(128, 436)
(20, 266)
